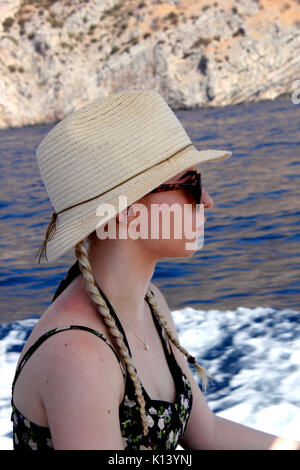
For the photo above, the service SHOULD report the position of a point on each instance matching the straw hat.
(125, 144)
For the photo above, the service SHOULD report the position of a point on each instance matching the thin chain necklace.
(146, 345)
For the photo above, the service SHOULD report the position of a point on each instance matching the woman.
(116, 376)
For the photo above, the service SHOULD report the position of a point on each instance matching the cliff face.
(56, 55)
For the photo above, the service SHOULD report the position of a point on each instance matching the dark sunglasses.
(194, 187)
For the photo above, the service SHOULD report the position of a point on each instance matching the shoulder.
(78, 351)
(81, 387)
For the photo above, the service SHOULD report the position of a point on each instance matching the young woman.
(103, 368)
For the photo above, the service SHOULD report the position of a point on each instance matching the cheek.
(177, 223)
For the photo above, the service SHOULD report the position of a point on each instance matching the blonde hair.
(85, 267)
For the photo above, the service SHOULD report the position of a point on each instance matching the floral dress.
(167, 421)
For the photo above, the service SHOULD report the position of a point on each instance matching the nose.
(206, 199)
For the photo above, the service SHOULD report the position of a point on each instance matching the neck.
(123, 270)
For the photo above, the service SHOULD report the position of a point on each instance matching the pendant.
(147, 347)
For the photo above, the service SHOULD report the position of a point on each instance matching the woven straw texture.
(126, 144)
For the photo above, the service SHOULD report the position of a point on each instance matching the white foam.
(252, 354)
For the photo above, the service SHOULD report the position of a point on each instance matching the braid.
(85, 267)
(201, 372)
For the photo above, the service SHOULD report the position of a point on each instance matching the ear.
(121, 217)
(130, 210)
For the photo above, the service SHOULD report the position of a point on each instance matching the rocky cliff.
(56, 55)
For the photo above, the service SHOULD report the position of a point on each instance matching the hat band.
(52, 225)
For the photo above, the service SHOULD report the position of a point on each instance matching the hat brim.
(74, 225)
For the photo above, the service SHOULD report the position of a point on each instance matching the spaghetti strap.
(114, 315)
(50, 333)
(169, 355)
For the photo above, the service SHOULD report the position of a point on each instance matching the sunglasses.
(194, 187)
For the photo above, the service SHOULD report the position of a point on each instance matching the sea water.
(235, 303)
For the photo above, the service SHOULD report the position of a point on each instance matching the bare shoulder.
(73, 382)
(71, 308)
(80, 388)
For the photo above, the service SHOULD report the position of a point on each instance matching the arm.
(207, 431)
(230, 435)
(80, 389)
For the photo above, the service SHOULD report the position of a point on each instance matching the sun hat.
(125, 144)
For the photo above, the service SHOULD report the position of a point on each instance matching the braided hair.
(83, 265)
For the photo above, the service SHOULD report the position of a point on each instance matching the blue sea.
(235, 302)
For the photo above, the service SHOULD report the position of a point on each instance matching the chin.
(188, 253)
(179, 251)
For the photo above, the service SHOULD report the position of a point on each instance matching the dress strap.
(50, 333)
(155, 319)
(171, 360)
(73, 272)
(114, 315)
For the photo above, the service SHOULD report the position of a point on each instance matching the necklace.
(146, 345)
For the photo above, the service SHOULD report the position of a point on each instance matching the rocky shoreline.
(55, 56)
